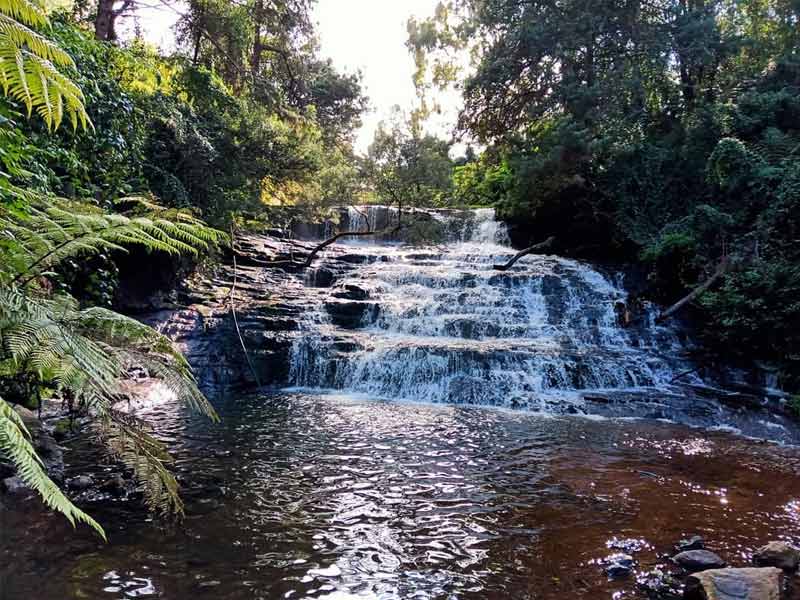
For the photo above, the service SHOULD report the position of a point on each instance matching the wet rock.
(750, 583)
(348, 314)
(698, 560)
(203, 506)
(14, 485)
(619, 565)
(321, 277)
(81, 482)
(660, 585)
(778, 554)
(694, 542)
(347, 346)
(351, 292)
(115, 485)
(353, 259)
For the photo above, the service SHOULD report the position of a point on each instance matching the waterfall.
(438, 324)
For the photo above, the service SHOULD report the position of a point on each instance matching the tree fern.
(29, 66)
(84, 352)
(54, 230)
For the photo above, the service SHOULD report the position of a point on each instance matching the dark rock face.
(778, 554)
(351, 292)
(735, 584)
(321, 277)
(698, 560)
(209, 323)
(347, 313)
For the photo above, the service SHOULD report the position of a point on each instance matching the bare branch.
(530, 250)
(723, 267)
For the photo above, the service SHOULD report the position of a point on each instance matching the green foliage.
(30, 63)
(408, 168)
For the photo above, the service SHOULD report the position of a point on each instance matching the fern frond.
(24, 11)
(54, 231)
(127, 439)
(16, 445)
(29, 67)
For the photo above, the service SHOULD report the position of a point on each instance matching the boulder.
(698, 560)
(777, 554)
(115, 485)
(735, 584)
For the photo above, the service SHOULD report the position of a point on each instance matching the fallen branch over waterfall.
(530, 250)
(723, 267)
(304, 264)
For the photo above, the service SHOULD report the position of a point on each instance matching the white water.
(441, 325)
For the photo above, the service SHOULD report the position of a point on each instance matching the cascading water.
(439, 324)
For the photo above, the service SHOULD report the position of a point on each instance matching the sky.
(357, 35)
(370, 36)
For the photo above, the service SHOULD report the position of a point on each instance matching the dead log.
(540, 246)
(304, 264)
(721, 270)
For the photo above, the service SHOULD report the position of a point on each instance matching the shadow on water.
(299, 495)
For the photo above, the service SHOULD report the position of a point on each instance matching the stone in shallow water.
(777, 554)
(693, 543)
(619, 565)
(698, 560)
(81, 482)
(750, 583)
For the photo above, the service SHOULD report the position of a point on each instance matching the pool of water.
(312, 496)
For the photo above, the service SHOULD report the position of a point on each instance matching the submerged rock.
(203, 506)
(115, 485)
(749, 583)
(81, 482)
(698, 560)
(14, 485)
(619, 565)
(778, 554)
(693, 543)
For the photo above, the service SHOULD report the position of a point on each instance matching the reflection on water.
(298, 496)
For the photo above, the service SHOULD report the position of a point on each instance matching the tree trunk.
(104, 21)
(258, 48)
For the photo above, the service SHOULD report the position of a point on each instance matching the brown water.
(339, 498)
